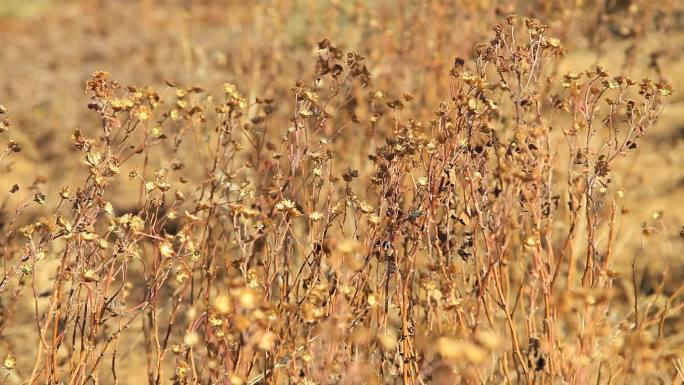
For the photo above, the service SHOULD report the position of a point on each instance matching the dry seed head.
(65, 192)
(191, 339)
(374, 220)
(9, 362)
(122, 104)
(248, 298)
(235, 99)
(91, 275)
(39, 198)
(13, 146)
(27, 267)
(366, 208)
(5, 125)
(88, 235)
(664, 88)
(512, 19)
(166, 249)
(289, 207)
(181, 276)
(236, 380)
(150, 186)
(311, 313)
(215, 320)
(136, 223)
(267, 341)
(156, 132)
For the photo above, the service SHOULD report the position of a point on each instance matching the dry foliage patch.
(343, 232)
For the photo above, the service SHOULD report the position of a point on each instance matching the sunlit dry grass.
(341, 193)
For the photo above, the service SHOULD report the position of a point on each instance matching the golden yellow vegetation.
(341, 192)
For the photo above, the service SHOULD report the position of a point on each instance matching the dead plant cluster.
(475, 247)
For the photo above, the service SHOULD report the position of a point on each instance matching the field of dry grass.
(341, 192)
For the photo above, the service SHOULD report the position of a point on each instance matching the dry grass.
(453, 195)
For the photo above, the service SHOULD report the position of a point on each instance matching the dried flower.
(9, 362)
(315, 216)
